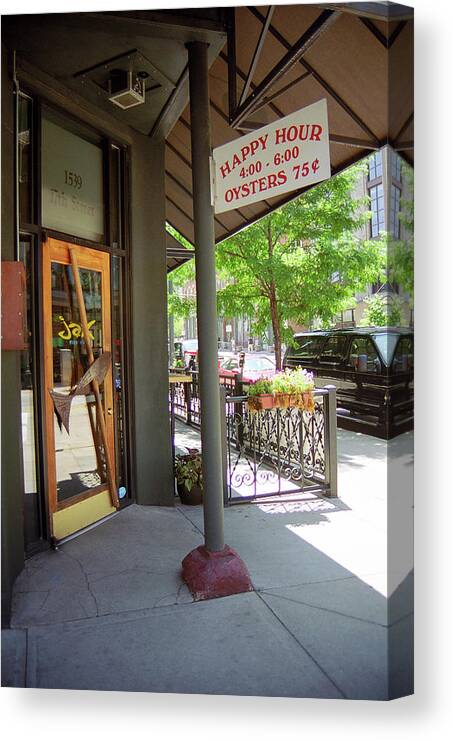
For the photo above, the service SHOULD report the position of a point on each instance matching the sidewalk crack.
(316, 662)
(200, 531)
(87, 580)
(327, 609)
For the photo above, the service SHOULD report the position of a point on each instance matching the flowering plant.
(260, 387)
(293, 381)
(289, 388)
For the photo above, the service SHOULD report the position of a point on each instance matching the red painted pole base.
(212, 574)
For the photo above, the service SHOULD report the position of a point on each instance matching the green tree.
(381, 312)
(180, 305)
(401, 251)
(302, 261)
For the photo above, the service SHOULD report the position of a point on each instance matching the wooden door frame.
(55, 250)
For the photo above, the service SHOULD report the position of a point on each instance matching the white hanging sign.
(286, 155)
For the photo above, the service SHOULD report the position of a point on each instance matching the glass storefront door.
(79, 409)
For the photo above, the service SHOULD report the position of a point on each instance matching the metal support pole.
(330, 439)
(171, 330)
(224, 439)
(206, 297)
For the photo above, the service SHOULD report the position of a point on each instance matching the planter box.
(304, 401)
(262, 402)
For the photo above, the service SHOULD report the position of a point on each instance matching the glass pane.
(377, 210)
(308, 346)
(118, 374)
(333, 350)
(115, 179)
(396, 166)
(386, 344)
(32, 513)
(375, 166)
(72, 183)
(404, 356)
(79, 455)
(363, 355)
(24, 164)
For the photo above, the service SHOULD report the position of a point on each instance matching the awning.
(358, 56)
(177, 255)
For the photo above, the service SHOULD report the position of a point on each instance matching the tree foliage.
(180, 305)
(401, 251)
(302, 261)
(381, 311)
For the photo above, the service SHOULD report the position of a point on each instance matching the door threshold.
(56, 543)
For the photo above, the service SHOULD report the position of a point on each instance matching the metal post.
(224, 438)
(171, 330)
(188, 394)
(330, 439)
(206, 296)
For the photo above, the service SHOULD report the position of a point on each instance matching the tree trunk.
(276, 329)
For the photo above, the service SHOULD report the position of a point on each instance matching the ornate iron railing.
(271, 452)
(186, 396)
(280, 451)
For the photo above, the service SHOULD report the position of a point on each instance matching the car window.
(230, 364)
(333, 350)
(255, 364)
(307, 346)
(363, 356)
(386, 344)
(403, 360)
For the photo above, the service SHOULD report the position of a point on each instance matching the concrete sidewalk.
(109, 611)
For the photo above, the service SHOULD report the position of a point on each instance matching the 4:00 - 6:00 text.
(269, 181)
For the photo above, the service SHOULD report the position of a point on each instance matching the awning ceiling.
(361, 62)
(359, 56)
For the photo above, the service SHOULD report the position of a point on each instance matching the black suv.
(372, 369)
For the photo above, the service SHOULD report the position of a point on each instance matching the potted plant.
(260, 395)
(189, 478)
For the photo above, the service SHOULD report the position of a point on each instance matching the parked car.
(187, 350)
(372, 369)
(255, 366)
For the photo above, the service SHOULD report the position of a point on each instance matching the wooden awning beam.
(293, 55)
(325, 85)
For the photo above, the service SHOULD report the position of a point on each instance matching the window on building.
(25, 159)
(396, 166)
(375, 166)
(395, 196)
(377, 210)
(30, 455)
(347, 316)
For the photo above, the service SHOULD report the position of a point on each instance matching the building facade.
(96, 159)
(387, 183)
(83, 229)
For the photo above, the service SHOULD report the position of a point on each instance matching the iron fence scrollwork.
(271, 452)
(280, 451)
